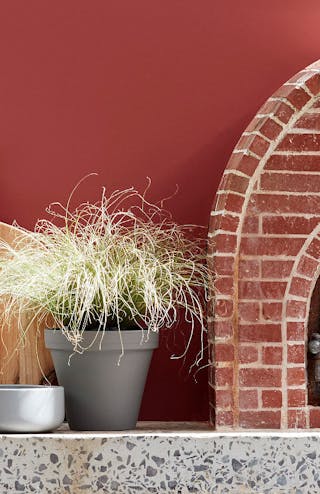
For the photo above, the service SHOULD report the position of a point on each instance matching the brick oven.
(264, 252)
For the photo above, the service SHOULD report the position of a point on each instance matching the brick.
(305, 74)
(295, 331)
(268, 107)
(283, 112)
(262, 289)
(307, 266)
(223, 329)
(224, 352)
(225, 222)
(222, 265)
(272, 355)
(224, 243)
(267, 126)
(254, 143)
(224, 398)
(271, 398)
(296, 397)
(248, 399)
(210, 307)
(296, 309)
(249, 290)
(313, 83)
(260, 419)
(276, 269)
(224, 376)
(248, 354)
(314, 417)
(224, 418)
(244, 163)
(223, 308)
(249, 311)
(296, 95)
(234, 183)
(249, 269)
(273, 289)
(272, 311)
(300, 142)
(255, 124)
(229, 202)
(313, 66)
(296, 376)
(210, 349)
(310, 79)
(251, 224)
(266, 378)
(297, 419)
(288, 225)
(290, 183)
(282, 204)
(214, 222)
(224, 285)
(297, 163)
(279, 109)
(314, 249)
(270, 128)
(300, 287)
(301, 77)
(309, 121)
(211, 247)
(271, 246)
(210, 263)
(259, 333)
(229, 223)
(296, 354)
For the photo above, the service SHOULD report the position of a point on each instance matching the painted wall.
(135, 89)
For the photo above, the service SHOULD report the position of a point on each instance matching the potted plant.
(108, 276)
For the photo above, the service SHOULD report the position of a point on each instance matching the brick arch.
(296, 306)
(266, 208)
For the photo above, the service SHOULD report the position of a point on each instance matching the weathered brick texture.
(264, 253)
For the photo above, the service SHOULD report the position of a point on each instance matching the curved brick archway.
(263, 251)
(295, 316)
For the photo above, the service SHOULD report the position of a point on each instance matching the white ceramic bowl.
(29, 408)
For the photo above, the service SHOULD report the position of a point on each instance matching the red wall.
(131, 89)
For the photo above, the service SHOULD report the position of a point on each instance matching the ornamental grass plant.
(119, 264)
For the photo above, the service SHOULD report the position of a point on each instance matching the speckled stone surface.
(188, 458)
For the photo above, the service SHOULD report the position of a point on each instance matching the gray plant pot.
(100, 394)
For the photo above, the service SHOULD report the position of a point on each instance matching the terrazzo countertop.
(154, 458)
